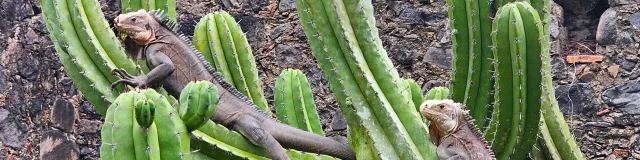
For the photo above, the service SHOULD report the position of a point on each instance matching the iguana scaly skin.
(452, 130)
(173, 62)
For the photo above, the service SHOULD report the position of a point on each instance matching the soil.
(41, 111)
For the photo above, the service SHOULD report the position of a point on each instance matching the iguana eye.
(441, 106)
(133, 19)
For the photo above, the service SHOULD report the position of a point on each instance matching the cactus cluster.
(294, 103)
(471, 77)
(168, 6)
(126, 136)
(437, 93)
(198, 103)
(414, 92)
(345, 42)
(87, 48)
(223, 44)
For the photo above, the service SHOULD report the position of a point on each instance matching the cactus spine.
(168, 6)
(518, 80)
(438, 93)
(123, 138)
(336, 30)
(471, 76)
(87, 48)
(223, 44)
(199, 101)
(294, 102)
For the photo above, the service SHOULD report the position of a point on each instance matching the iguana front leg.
(451, 149)
(164, 68)
(249, 127)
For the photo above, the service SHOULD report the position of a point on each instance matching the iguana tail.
(293, 138)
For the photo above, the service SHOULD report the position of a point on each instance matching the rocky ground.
(42, 115)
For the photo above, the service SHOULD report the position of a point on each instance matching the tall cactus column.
(345, 41)
(294, 102)
(168, 6)
(472, 82)
(223, 44)
(516, 38)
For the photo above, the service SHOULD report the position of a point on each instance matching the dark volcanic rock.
(56, 145)
(558, 68)
(3, 80)
(286, 5)
(607, 33)
(577, 6)
(407, 13)
(625, 97)
(15, 10)
(438, 57)
(338, 123)
(576, 99)
(635, 20)
(63, 115)
(12, 133)
(89, 126)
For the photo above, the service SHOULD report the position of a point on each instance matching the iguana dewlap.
(453, 131)
(174, 62)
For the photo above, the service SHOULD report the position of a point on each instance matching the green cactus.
(471, 67)
(217, 141)
(199, 101)
(169, 6)
(414, 92)
(294, 102)
(438, 93)
(336, 31)
(144, 110)
(87, 48)
(518, 71)
(223, 44)
(123, 138)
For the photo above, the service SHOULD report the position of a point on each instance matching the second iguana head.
(443, 113)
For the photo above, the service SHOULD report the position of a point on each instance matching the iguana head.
(136, 25)
(443, 113)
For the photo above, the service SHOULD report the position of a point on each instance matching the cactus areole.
(174, 62)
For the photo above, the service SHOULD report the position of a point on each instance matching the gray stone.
(625, 97)
(338, 123)
(626, 64)
(613, 3)
(576, 98)
(577, 6)
(626, 38)
(87, 108)
(558, 68)
(3, 80)
(439, 57)
(89, 126)
(635, 74)
(67, 86)
(286, 5)
(63, 115)
(56, 145)
(431, 84)
(607, 32)
(410, 14)
(13, 134)
(635, 20)
(277, 31)
(4, 114)
(86, 151)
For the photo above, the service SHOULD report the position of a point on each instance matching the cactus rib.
(294, 102)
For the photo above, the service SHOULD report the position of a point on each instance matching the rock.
(576, 98)
(635, 74)
(587, 76)
(624, 121)
(338, 123)
(13, 134)
(15, 10)
(277, 31)
(86, 151)
(63, 115)
(439, 57)
(31, 36)
(3, 80)
(577, 6)
(67, 86)
(55, 145)
(558, 68)
(607, 32)
(286, 5)
(407, 13)
(626, 64)
(431, 84)
(635, 20)
(613, 3)
(625, 97)
(626, 38)
(613, 70)
(4, 114)
(89, 126)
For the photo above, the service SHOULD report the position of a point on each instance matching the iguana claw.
(128, 79)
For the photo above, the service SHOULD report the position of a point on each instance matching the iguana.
(173, 62)
(452, 130)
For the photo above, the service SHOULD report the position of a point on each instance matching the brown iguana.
(174, 62)
(452, 130)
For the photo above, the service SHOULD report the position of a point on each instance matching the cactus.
(87, 48)
(438, 93)
(223, 44)
(198, 103)
(144, 110)
(168, 6)
(217, 141)
(415, 93)
(123, 138)
(471, 67)
(294, 102)
(336, 30)
(516, 36)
